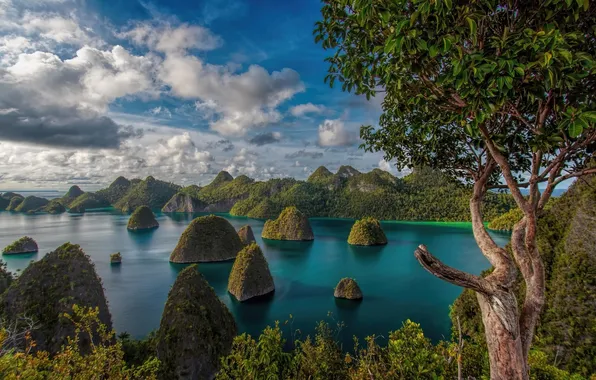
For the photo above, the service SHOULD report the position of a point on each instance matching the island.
(142, 220)
(50, 287)
(367, 231)
(116, 258)
(250, 276)
(22, 245)
(196, 329)
(206, 239)
(15, 201)
(348, 288)
(290, 225)
(54, 207)
(183, 202)
(246, 235)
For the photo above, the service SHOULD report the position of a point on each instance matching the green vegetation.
(6, 278)
(142, 219)
(322, 174)
(225, 188)
(47, 289)
(115, 258)
(290, 225)
(116, 190)
(14, 202)
(87, 201)
(54, 207)
(246, 235)
(367, 231)
(71, 195)
(506, 221)
(196, 329)
(149, 192)
(348, 288)
(207, 238)
(103, 360)
(22, 245)
(31, 204)
(250, 276)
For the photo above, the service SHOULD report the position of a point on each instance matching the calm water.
(395, 286)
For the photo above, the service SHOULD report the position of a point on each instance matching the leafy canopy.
(522, 71)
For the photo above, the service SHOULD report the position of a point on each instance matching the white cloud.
(166, 38)
(384, 165)
(308, 108)
(334, 133)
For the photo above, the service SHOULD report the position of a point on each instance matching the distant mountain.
(149, 192)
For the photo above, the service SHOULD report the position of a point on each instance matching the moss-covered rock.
(348, 288)
(49, 288)
(250, 276)
(290, 225)
(196, 329)
(206, 239)
(115, 258)
(183, 202)
(142, 219)
(31, 204)
(23, 245)
(54, 207)
(367, 231)
(246, 235)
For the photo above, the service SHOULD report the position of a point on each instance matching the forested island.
(425, 194)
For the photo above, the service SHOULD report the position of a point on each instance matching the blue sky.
(90, 90)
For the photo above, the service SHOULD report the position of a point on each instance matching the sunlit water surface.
(395, 286)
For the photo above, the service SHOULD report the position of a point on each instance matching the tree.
(499, 94)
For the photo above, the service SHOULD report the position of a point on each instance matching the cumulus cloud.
(308, 108)
(304, 154)
(384, 165)
(52, 101)
(334, 133)
(167, 38)
(225, 145)
(265, 138)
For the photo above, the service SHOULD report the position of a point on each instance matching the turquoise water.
(395, 286)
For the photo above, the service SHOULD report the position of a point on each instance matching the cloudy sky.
(178, 89)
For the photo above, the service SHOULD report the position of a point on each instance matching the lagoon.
(394, 285)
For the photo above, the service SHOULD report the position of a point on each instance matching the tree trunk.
(501, 326)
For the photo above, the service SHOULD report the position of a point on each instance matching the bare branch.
(452, 275)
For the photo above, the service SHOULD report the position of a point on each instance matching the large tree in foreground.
(500, 94)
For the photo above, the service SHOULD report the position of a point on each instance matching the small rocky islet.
(115, 258)
(22, 245)
(207, 239)
(246, 235)
(348, 288)
(367, 231)
(142, 219)
(250, 276)
(290, 225)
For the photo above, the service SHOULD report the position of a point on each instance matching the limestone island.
(54, 207)
(367, 231)
(348, 288)
(142, 219)
(290, 225)
(250, 276)
(61, 279)
(115, 258)
(23, 245)
(246, 235)
(196, 329)
(182, 202)
(206, 239)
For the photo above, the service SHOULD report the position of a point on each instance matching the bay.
(395, 286)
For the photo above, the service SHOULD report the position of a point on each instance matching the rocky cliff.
(142, 219)
(290, 225)
(367, 231)
(250, 276)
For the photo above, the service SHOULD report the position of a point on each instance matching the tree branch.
(452, 275)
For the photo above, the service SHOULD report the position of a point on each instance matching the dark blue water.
(395, 286)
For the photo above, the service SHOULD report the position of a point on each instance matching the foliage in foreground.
(105, 360)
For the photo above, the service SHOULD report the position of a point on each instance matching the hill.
(149, 192)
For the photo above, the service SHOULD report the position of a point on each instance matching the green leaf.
(449, 4)
(472, 25)
(446, 45)
(590, 116)
(433, 51)
(575, 129)
(520, 71)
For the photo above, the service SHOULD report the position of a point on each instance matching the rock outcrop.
(49, 288)
(348, 288)
(206, 239)
(246, 235)
(31, 204)
(367, 231)
(196, 329)
(142, 219)
(115, 258)
(23, 245)
(290, 225)
(182, 202)
(250, 276)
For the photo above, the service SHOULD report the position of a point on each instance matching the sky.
(179, 89)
